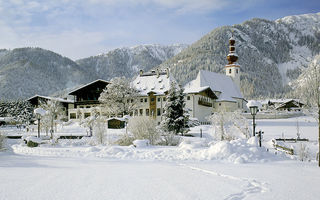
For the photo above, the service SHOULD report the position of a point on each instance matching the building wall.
(196, 110)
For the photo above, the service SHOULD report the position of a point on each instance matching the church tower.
(232, 68)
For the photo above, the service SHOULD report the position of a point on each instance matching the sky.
(83, 28)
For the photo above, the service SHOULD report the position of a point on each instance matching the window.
(188, 97)
(229, 71)
(81, 107)
(219, 104)
(73, 116)
(86, 115)
(237, 71)
(147, 112)
(136, 112)
(158, 111)
(164, 99)
(141, 112)
(152, 99)
(159, 99)
(145, 100)
(141, 100)
(87, 106)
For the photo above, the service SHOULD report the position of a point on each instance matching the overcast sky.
(82, 28)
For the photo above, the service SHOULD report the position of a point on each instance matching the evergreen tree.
(175, 116)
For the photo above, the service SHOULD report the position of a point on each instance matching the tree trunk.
(319, 134)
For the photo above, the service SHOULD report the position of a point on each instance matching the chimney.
(158, 74)
(167, 70)
(141, 72)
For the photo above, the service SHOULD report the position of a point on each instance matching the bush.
(32, 144)
(125, 140)
(144, 128)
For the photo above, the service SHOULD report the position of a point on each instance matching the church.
(210, 92)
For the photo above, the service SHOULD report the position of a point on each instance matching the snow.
(198, 168)
(217, 82)
(51, 98)
(141, 143)
(40, 111)
(253, 103)
(152, 83)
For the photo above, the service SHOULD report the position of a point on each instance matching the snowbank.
(236, 151)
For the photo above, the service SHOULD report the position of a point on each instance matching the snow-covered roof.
(278, 101)
(195, 89)
(253, 103)
(151, 82)
(217, 83)
(83, 86)
(51, 98)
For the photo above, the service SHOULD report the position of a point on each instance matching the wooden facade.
(89, 93)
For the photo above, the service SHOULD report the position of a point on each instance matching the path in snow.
(253, 186)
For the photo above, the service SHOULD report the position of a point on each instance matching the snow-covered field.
(196, 169)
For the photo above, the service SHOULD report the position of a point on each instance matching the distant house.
(36, 100)
(86, 97)
(282, 105)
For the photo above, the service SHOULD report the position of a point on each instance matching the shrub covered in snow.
(303, 152)
(125, 140)
(144, 128)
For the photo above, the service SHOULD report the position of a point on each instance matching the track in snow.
(253, 186)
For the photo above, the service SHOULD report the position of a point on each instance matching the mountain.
(25, 72)
(128, 61)
(271, 53)
(28, 71)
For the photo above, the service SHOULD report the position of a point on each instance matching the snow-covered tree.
(99, 129)
(143, 128)
(21, 111)
(2, 141)
(307, 87)
(229, 125)
(119, 98)
(175, 116)
(90, 122)
(53, 114)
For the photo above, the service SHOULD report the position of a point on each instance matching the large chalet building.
(208, 93)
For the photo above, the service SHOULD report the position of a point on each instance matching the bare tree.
(307, 87)
(53, 113)
(227, 125)
(119, 98)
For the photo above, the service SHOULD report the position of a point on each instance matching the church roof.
(217, 83)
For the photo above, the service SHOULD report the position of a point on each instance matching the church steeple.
(232, 68)
(232, 56)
